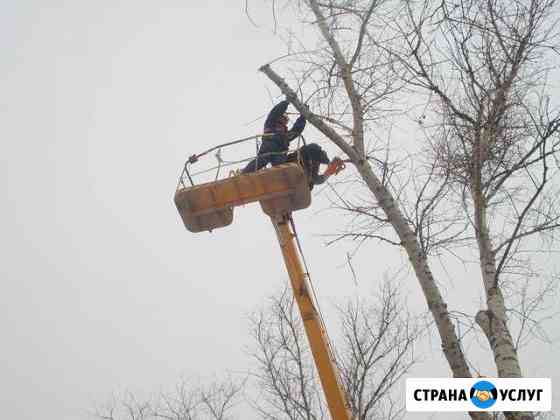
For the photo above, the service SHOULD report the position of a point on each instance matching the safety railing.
(188, 175)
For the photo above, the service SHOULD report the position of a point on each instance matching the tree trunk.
(493, 321)
(436, 304)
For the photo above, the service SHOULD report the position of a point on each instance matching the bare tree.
(486, 183)
(220, 397)
(187, 402)
(494, 136)
(374, 353)
(350, 79)
(284, 369)
(128, 407)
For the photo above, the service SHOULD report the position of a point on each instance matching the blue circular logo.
(483, 394)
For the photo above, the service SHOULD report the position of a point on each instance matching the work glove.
(335, 167)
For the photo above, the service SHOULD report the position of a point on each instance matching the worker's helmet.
(324, 158)
(315, 153)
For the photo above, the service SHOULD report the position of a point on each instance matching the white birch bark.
(492, 321)
(436, 304)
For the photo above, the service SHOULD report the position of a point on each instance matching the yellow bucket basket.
(280, 190)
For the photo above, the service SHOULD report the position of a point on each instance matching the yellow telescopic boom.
(318, 340)
(280, 190)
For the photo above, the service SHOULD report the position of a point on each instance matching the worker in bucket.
(277, 138)
(310, 157)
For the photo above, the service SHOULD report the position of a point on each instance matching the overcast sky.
(102, 289)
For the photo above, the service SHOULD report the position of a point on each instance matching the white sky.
(102, 289)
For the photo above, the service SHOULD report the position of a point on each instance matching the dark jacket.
(310, 157)
(280, 133)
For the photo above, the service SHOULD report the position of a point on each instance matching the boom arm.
(318, 341)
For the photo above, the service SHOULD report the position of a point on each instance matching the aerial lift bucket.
(280, 190)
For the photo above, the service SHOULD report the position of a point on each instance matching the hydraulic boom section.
(280, 190)
(316, 335)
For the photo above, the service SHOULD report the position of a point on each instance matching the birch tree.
(491, 136)
(351, 78)
(495, 137)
